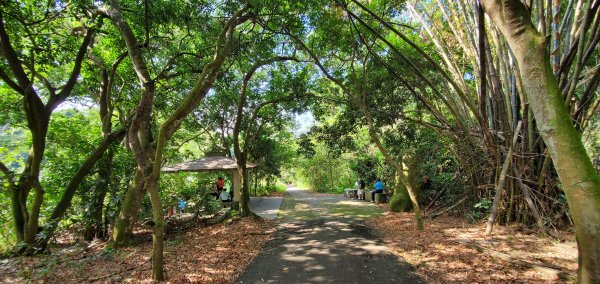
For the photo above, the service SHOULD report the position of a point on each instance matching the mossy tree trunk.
(400, 201)
(408, 177)
(128, 213)
(578, 177)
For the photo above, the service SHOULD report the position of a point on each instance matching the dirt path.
(321, 239)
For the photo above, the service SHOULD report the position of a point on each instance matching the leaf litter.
(450, 250)
(200, 254)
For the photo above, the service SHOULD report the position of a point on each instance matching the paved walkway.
(321, 239)
(266, 207)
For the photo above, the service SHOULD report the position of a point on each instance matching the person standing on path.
(360, 194)
(378, 189)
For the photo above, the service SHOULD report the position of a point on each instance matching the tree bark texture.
(123, 228)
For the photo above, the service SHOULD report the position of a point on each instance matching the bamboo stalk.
(527, 194)
(501, 181)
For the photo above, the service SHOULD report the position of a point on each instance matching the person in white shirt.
(361, 189)
(224, 196)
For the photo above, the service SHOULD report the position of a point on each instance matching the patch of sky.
(303, 122)
(78, 104)
(211, 93)
(468, 76)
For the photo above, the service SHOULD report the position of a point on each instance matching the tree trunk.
(38, 120)
(400, 201)
(95, 206)
(245, 197)
(123, 228)
(580, 180)
(17, 216)
(158, 230)
(407, 176)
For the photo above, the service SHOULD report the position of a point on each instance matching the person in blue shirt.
(181, 205)
(378, 189)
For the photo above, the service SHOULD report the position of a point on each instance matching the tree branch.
(8, 173)
(54, 101)
(65, 200)
(10, 54)
(11, 83)
(243, 96)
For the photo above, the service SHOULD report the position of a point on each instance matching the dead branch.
(431, 216)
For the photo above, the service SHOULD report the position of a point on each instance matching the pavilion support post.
(237, 189)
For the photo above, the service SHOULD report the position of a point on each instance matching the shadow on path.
(321, 239)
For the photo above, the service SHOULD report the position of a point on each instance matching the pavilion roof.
(206, 164)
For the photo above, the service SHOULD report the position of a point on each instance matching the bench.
(350, 193)
(367, 195)
(379, 197)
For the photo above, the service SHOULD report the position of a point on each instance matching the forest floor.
(196, 254)
(451, 250)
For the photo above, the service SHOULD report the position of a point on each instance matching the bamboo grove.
(500, 101)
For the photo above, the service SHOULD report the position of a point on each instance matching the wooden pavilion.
(213, 164)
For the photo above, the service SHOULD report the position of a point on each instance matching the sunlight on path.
(265, 207)
(301, 204)
(321, 239)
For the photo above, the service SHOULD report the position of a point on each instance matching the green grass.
(359, 210)
(291, 209)
(300, 210)
(279, 187)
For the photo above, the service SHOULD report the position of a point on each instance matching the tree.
(29, 72)
(241, 153)
(580, 180)
(149, 156)
(95, 226)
